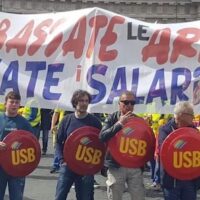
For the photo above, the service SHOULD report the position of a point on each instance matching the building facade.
(162, 11)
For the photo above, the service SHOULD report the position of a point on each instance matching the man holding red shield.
(70, 123)
(178, 188)
(10, 121)
(117, 174)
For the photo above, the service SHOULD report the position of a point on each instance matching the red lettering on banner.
(4, 26)
(19, 41)
(76, 40)
(96, 23)
(56, 41)
(183, 44)
(158, 50)
(41, 35)
(32, 37)
(108, 39)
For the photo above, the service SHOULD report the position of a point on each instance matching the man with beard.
(83, 184)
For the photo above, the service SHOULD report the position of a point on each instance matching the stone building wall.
(166, 11)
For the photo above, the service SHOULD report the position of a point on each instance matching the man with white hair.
(175, 189)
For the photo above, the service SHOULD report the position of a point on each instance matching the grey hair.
(183, 107)
(127, 92)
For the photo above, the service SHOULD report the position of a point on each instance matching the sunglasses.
(127, 102)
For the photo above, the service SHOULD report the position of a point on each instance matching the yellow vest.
(33, 115)
(2, 107)
(61, 114)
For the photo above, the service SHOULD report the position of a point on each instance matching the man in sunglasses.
(118, 175)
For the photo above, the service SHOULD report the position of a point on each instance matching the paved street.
(40, 185)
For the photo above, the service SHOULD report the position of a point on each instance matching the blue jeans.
(152, 167)
(157, 172)
(15, 186)
(184, 190)
(65, 181)
(45, 138)
(56, 162)
(88, 187)
(84, 185)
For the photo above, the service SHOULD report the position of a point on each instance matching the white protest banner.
(46, 57)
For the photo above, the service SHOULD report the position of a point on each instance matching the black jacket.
(46, 115)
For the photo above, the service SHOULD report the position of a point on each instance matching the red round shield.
(83, 151)
(133, 145)
(22, 154)
(180, 154)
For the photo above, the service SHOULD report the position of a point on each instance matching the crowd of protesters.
(61, 123)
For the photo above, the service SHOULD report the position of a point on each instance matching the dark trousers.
(65, 181)
(45, 138)
(183, 190)
(15, 186)
(83, 185)
(36, 131)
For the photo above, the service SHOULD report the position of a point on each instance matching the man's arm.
(109, 129)
(61, 137)
(54, 121)
(161, 136)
